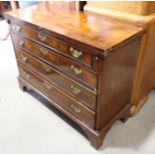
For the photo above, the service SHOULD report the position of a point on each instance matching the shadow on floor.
(131, 134)
(135, 131)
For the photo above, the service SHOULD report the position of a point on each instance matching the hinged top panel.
(97, 31)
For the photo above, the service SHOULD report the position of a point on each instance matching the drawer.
(74, 89)
(81, 112)
(71, 68)
(60, 46)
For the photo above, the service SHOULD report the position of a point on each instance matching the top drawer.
(59, 46)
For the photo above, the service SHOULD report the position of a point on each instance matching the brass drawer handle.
(23, 58)
(16, 28)
(46, 69)
(41, 37)
(76, 70)
(75, 109)
(75, 90)
(21, 43)
(47, 86)
(43, 51)
(26, 75)
(75, 53)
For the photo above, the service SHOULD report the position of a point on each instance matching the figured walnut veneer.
(81, 63)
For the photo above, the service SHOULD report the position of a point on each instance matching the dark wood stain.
(81, 63)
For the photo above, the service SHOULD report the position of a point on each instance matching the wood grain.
(102, 79)
(97, 31)
(85, 96)
(142, 15)
(57, 96)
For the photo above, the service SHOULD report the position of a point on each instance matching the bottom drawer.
(81, 112)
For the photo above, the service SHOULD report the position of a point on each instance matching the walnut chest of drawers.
(81, 63)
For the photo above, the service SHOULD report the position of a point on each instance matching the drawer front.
(74, 89)
(62, 47)
(69, 67)
(71, 105)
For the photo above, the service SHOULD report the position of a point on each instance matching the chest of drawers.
(81, 63)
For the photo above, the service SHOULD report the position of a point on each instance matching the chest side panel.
(117, 81)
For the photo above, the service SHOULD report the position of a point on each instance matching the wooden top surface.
(93, 29)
